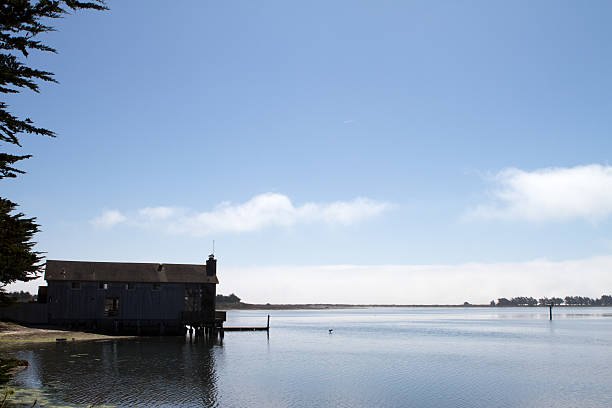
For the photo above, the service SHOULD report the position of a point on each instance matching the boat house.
(139, 298)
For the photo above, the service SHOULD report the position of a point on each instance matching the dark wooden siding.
(142, 303)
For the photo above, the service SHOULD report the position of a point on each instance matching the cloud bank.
(261, 211)
(417, 284)
(581, 192)
(409, 284)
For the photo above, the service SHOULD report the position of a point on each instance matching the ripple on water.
(383, 358)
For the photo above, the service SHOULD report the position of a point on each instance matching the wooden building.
(139, 298)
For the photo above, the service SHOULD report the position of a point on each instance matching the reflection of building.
(168, 372)
(130, 297)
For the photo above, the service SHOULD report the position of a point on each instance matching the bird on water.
(330, 331)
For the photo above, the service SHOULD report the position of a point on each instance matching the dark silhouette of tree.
(556, 301)
(21, 21)
(228, 299)
(503, 302)
(20, 296)
(17, 259)
(605, 300)
(552, 301)
(580, 301)
(523, 301)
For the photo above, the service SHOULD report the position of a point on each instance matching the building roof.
(126, 272)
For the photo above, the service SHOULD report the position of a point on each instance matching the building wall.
(140, 306)
(31, 313)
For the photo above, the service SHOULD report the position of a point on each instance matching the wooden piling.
(550, 311)
(268, 325)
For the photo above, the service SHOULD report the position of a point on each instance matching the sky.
(336, 152)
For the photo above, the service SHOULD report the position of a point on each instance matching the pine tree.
(18, 260)
(21, 21)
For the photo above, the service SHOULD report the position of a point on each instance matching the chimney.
(211, 265)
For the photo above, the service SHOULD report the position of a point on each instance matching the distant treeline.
(604, 300)
(11, 297)
(228, 299)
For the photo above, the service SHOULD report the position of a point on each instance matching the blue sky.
(318, 134)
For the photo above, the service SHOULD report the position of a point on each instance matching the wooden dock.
(236, 328)
(246, 328)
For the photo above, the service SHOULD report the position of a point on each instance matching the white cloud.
(261, 211)
(550, 194)
(417, 284)
(348, 121)
(108, 219)
(157, 213)
(409, 284)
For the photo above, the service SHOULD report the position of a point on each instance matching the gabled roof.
(126, 272)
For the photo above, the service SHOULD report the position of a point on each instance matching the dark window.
(111, 306)
(129, 286)
(76, 285)
(156, 286)
(102, 285)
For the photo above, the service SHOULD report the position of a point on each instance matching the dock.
(246, 328)
(237, 328)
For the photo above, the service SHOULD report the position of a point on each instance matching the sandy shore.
(12, 335)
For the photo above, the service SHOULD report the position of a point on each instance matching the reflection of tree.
(143, 372)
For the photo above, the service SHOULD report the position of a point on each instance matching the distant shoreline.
(325, 306)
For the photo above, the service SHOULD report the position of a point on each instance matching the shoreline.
(14, 334)
(326, 306)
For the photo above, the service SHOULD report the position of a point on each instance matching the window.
(76, 285)
(156, 286)
(111, 306)
(129, 286)
(103, 285)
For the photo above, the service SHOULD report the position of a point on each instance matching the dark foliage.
(504, 302)
(552, 301)
(523, 301)
(21, 21)
(228, 299)
(17, 259)
(21, 296)
(605, 300)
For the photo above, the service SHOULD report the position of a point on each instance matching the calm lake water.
(379, 357)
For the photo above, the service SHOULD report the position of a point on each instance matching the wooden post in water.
(550, 311)
(268, 325)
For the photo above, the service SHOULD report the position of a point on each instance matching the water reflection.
(148, 371)
(442, 358)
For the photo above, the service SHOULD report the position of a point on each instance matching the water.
(379, 357)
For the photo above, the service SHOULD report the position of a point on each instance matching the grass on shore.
(12, 335)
